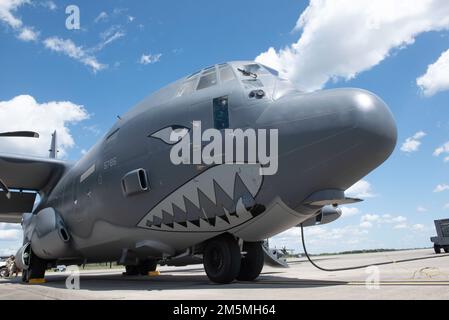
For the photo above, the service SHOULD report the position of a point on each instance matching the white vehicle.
(59, 268)
(3, 269)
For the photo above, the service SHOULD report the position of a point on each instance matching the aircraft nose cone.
(328, 140)
(374, 124)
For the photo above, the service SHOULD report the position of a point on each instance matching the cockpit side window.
(187, 87)
(226, 73)
(272, 71)
(194, 74)
(208, 79)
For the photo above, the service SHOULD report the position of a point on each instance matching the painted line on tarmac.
(319, 283)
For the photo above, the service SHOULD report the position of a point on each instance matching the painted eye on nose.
(171, 135)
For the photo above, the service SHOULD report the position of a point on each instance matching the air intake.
(135, 182)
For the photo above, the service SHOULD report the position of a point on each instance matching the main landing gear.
(36, 269)
(438, 248)
(224, 263)
(143, 268)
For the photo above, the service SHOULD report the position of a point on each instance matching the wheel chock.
(36, 281)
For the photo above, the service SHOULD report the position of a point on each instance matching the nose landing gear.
(253, 261)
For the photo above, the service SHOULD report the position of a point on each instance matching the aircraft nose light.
(258, 94)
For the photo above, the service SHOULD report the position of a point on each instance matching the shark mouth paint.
(220, 198)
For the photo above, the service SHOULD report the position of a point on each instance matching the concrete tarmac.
(426, 276)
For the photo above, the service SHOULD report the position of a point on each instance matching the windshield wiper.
(247, 73)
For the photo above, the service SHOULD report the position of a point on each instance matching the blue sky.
(142, 46)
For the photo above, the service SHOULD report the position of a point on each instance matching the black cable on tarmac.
(363, 266)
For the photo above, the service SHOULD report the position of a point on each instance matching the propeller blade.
(22, 134)
(5, 188)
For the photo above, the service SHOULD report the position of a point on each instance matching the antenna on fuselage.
(54, 146)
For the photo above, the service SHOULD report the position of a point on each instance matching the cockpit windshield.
(252, 76)
(206, 78)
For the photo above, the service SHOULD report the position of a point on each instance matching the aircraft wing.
(25, 173)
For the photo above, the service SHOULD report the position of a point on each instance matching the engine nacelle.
(327, 215)
(23, 257)
(47, 235)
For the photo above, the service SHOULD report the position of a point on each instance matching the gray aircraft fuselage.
(126, 201)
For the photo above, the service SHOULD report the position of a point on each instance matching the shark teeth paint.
(218, 199)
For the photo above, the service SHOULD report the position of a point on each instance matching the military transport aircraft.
(128, 200)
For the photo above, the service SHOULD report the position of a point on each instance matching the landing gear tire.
(24, 275)
(437, 249)
(131, 270)
(36, 269)
(446, 249)
(143, 268)
(252, 263)
(222, 259)
(147, 266)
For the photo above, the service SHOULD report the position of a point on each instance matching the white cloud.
(24, 113)
(150, 58)
(10, 232)
(7, 15)
(446, 206)
(418, 227)
(69, 48)
(349, 212)
(341, 38)
(421, 209)
(10, 235)
(8, 226)
(441, 188)
(369, 220)
(361, 189)
(436, 79)
(49, 5)
(103, 16)
(110, 35)
(366, 225)
(28, 34)
(398, 219)
(370, 217)
(414, 227)
(7, 8)
(321, 235)
(444, 149)
(412, 144)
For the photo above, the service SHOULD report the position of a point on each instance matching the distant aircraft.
(128, 200)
